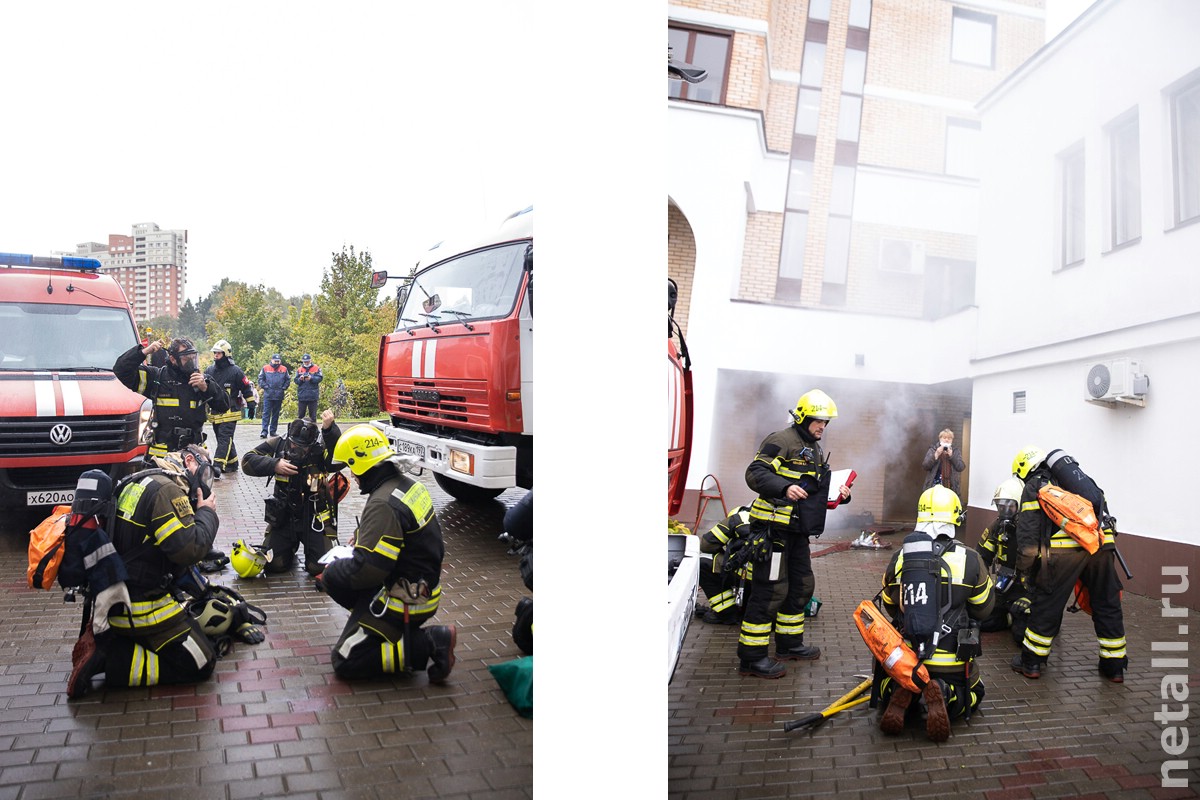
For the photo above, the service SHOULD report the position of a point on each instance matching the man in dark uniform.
(791, 476)
(719, 581)
(229, 376)
(962, 596)
(179, 391)
(1063, 561)
(391, 584)
(302, 509)
(998, 549)
(165, 520)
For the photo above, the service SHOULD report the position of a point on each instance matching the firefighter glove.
(1019, 607)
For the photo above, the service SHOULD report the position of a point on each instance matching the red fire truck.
(62, 411)
(683, 550)
(456, 375)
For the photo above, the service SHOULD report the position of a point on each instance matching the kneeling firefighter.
(164, 521)
(392, 582)
(998, 549)
(303, 507)
(937, 590)
(726, 572)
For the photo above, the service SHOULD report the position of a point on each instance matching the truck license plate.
(417, 450)
(61, 498)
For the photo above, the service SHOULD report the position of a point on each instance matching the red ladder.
(702, 502)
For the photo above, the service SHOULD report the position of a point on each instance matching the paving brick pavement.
(1069, 734)
(273, 721)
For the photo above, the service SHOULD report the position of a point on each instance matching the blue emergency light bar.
(49, 262)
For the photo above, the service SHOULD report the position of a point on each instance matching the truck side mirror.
(378, 279)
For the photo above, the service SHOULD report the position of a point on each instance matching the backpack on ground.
(47, 544)
(1073, 514)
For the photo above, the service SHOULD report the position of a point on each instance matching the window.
(1185, 129)
(962, 148)
(799, 192)
(973, 38)
(808, 111)
(849, 116)
(860, 14)
(1018, 402)
(812, 66)
(1070, 166)
(819, 9)
(1125, 182)
(702, 49)
(949, 286)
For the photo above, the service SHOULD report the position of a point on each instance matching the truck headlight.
(145, 416)
(462, 462)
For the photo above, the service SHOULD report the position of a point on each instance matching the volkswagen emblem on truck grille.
(60, 434)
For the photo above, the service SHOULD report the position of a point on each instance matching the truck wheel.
(465, 492)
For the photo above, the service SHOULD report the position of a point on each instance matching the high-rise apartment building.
(822, 213)
(150, 264)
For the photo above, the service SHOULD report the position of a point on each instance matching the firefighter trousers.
(1098, 573)
(787, 622)
(366, 649)
(225, 452)
(962, 693)
(131, 661)
(721, 588)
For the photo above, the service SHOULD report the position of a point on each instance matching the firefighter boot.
(1022, 664)
(727, 617)
(442, 638)
(87, 659)
(797, 651)
(892, 721)
(763, 668)
(937, 718)
(1116, 674)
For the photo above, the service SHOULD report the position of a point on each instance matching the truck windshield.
(479, 285)
(51, 336)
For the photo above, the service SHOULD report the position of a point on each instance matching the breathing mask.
(202, 478)
(302, 445)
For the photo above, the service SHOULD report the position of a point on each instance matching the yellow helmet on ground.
(939, 505)
(249, 562)
(362, 447)
(814, 404)
(1027, 460)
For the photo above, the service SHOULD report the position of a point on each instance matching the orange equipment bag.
(1073, 514)
(338, 486)
(888, 647)
(46, 547)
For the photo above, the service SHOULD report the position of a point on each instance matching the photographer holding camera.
(943, 464)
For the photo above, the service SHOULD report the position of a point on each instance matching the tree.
(345, 309)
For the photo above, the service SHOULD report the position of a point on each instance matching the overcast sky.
(274, 133)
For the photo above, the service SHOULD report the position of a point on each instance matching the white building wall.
(1039, 327)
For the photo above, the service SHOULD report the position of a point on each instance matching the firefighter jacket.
(718, 539)
(971, 597)
(274, 381)
(1036, 534)
(997, 544)
(398, 538)
(306, 491)
(784, 458)
(308, 382)
(158, 535)
(228, 375)
(179, 410)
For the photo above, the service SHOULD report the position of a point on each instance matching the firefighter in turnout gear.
(1061, 561)
(392, 582)
(721, 581)
(937, 591)
(998, 548)
(302, 510)
(164, 521)
(229, 376)
(791, 476)
(179, 391)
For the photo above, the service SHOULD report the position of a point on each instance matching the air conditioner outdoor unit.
(1119, 380)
